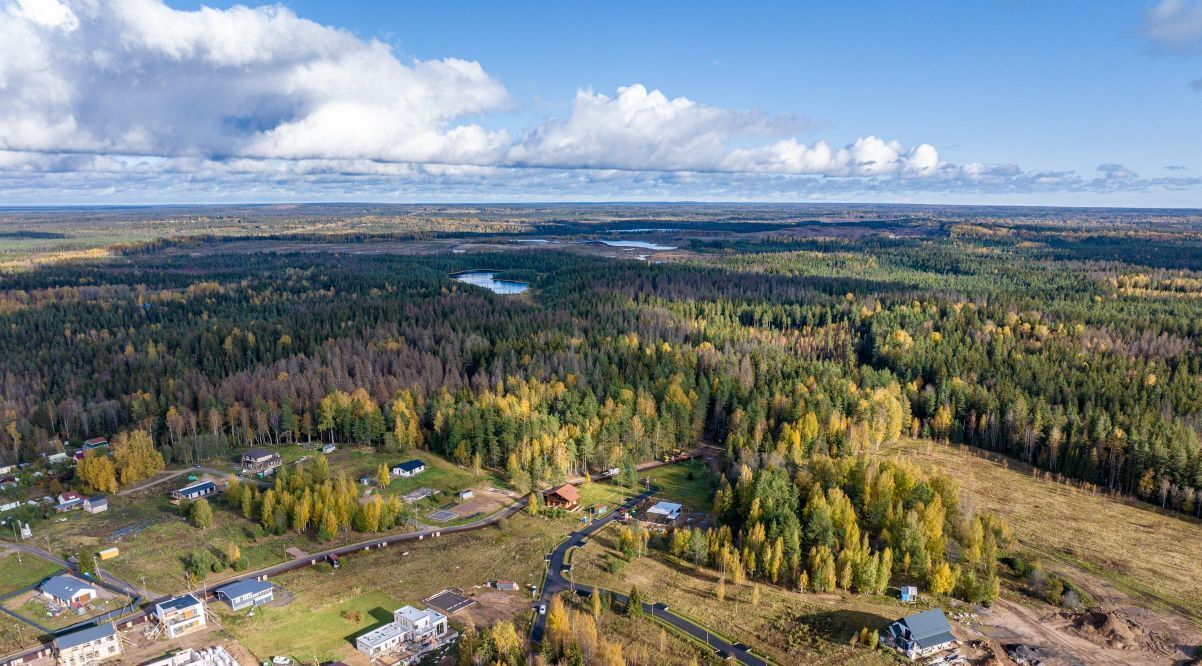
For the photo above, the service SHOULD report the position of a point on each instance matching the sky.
(990, 102)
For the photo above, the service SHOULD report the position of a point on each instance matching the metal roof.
(178, 603)
(409, 465)
(666, 508)
(63, 586)
(196, 487)
(243, 588)
(929, 627)
(85, 636)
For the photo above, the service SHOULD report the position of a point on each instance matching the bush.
(614, 565)
(355, 616)
(1017, 564)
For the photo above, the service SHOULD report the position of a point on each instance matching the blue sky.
(1079, 103)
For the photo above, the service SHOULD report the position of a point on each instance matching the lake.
(489, 281)
(642, 245)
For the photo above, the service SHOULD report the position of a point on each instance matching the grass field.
(388, 578)
(644, 641)
(18, 571)
(1135, 547)
(788, 627)
(675, 485)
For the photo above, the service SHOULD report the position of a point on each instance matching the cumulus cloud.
(134, 100)
(138, 77)
(1175, 24)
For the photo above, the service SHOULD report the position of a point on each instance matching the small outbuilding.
(466, 494)
(664, 512)
(96, 504)
(908, 593)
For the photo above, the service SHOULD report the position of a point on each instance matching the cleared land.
(18, 571)
(1131, 545)
(376, 583)
(788, 627)
(696, 493)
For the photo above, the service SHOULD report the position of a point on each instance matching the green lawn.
(324, 631)
(380, 581)
(17, 572)
(675, 485)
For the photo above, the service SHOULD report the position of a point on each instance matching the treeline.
(822, 347)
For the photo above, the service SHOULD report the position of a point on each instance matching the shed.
(664, 512)
(909, 593)
(96, 504)
(466, 494)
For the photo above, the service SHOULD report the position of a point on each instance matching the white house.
(409, 626)
(408, 468)
(67, 590)
(87, 646)
(180, 615)
(96, 504)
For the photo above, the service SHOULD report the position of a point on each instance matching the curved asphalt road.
(556, 582)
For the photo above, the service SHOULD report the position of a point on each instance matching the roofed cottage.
(67, 590)
(260, 460)
(195, 491)
(921, 634)
(408, 468)
(246, 593)
(664, 512)
(96, 504)
(565, 496)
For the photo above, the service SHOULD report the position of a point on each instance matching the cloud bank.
(119, 97)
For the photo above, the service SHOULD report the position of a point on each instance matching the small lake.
(489, 281)
(641, 245)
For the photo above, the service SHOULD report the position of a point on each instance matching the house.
(94, 443)
(57, 458)
(67, 590)
(247, 593)
(909, 593)
(408, 468)
(414, 630)
(565, 496)
(328, 448)
(664, 513)
(210, 656)
(87, 646)
(466, 494)
(69, 501)
(507, 586)
(180, 615)
(365, 480)
(195, 491)
(96, 504)
(921, 634)
(261, 460)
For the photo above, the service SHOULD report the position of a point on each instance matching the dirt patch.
(492, 606)
(1113, 629)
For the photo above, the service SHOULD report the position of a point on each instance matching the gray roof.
(256, 454)
(63, 586)
(665, 508)
(178, 603)
(929, 627)
(243, 588)
(84, 636)
(98, 499)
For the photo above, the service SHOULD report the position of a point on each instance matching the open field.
(1131, 545)
(18, 571)
(696, 493)
(380, 581)
(789, 627)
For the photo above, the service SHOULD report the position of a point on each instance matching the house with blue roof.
(195, 491)
(87, 646)
(408, 468)
(920, 635)
(67, 590)
(246, 593)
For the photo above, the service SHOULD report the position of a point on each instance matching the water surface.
(488, 280)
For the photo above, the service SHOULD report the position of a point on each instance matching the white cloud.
(1175, 24)
(138, 77)
(134, 100)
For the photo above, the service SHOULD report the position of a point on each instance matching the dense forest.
(1073, 353)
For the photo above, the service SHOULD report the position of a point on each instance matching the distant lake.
(489, 281)
(642, 245)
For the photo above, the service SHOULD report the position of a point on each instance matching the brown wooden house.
(565, 497)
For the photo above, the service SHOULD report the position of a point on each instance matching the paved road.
(557, 582)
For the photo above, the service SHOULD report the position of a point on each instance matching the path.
(556, 583)
(173, 474)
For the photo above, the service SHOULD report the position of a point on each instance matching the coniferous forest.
(1061, 343)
